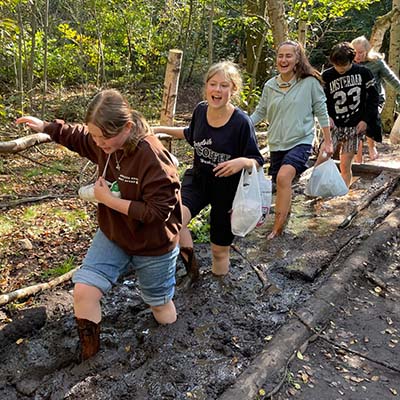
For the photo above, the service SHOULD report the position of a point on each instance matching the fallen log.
(30, 290)
(17, 145)
(388, 187)
(17, 202)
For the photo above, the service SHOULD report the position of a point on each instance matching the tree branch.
(17, 145)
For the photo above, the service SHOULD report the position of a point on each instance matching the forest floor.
(228, 329)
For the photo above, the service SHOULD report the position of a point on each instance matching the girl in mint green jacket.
(290, 102)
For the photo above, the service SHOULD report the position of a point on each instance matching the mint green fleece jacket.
(291, 114)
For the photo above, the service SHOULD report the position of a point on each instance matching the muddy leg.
(283, 200)
(88, 316)
(373, 152)
(190, 262)
(89, 336)
(186, 247)
(220, 259)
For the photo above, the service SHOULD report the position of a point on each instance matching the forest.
(52, 49)
(235, 337)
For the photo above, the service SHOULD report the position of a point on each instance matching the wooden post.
(170, 91)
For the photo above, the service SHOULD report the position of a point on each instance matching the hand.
(34, 123)
(101, 190)
(361, 127)
(326, 149)
(231, 167)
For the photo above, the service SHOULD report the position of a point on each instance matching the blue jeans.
(105, 261)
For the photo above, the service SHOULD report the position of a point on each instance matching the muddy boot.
(89, 336)
(190, 263)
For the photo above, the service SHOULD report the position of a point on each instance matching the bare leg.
(359, 156)
(373, 152)
(87, 302)
(164, 314)
(220, 259)
(185, 239)
(345, 167)
(283, 200)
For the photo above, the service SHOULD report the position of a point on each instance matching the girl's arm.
(390, 77)
(170, 130)
(231, 167)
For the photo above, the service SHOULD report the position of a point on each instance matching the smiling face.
(219, 90)
(286, 61)
(109, 144)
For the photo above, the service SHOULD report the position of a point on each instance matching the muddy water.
(223, 323)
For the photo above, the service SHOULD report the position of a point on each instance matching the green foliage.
(200, 226)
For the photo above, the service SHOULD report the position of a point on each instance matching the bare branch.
(17, 145)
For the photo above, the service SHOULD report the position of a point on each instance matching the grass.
(66, 266)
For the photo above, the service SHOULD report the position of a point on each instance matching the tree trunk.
(45, 50)
(394, 64)
(20, 73)
(210, 35)
(170, 94)
(30, 68)
(381, 25)
(277, 19)
(302, 32)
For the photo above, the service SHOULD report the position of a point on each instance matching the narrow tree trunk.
(45, 50)
(210, 35)
(170, 94)
(394, 64)
(277, 19)
(30, 68)
(302, 32)
(20, 72)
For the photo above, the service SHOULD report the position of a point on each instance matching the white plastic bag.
(326, 181)
(266, 195)
(246, 207)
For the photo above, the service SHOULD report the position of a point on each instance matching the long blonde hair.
(372, 55)
(110, 112)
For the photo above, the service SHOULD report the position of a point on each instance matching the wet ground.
(222, 324)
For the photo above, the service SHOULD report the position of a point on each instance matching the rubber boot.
(190, 262)
(89, 336)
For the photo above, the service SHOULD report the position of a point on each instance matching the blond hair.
(110, 112)
(372, 55)
(231, 72)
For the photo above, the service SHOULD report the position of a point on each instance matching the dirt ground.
(223, 324)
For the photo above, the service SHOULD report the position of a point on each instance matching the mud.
(223, 323)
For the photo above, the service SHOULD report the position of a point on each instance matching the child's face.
(286, 59)
(219, 90)
(109, 145)
(342, 69)
(361, 53)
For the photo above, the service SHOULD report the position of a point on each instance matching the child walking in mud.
(141, 228)
(224, 143)
(290, 102)
(352, 100)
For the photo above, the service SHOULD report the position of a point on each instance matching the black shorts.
(199, 190)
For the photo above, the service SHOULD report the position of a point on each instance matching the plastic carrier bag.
(266, 195)
(326, 181)
(246, 207)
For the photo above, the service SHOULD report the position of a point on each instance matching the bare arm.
(170, 130)
(228, 168)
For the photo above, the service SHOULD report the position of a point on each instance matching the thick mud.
(223, 323)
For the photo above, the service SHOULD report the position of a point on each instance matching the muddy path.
(222, 326)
